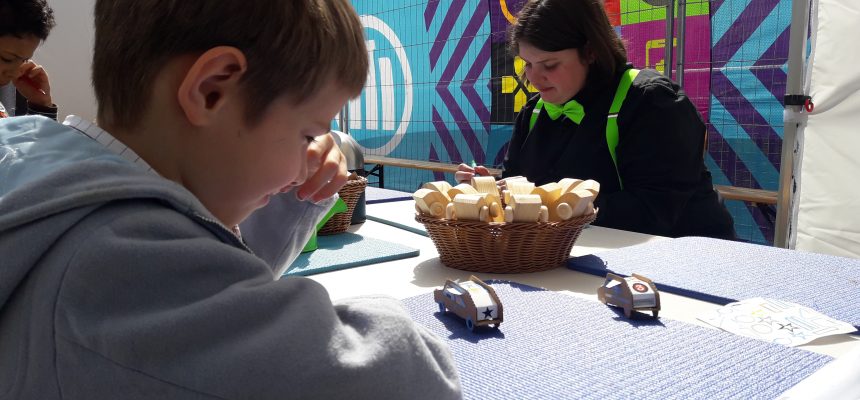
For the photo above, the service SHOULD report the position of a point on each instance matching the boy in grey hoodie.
(122, 274)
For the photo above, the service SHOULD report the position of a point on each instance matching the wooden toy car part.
(463, 188)
(567, 184)
(635, 293)
(590, 185)
(515, 179)
(548, 193)
(473, 300)
(526, 208)
(472, 207)
(519, 186)
(439, 186)
(430, 202)
(571, 204)
(486, 185)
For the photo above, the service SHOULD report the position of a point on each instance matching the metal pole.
(670, 35)
(794, 86)
(682, 25)
(343, 121)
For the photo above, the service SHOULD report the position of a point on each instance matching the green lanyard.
(611, 118)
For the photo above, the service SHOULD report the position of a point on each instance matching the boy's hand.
(326, 170)
(32, 82)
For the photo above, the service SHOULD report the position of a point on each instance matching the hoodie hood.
(52, 176)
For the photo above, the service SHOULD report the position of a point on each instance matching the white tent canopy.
(826, 215)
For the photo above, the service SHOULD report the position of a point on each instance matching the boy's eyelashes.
(10, 60)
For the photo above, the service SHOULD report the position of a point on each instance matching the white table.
(413, 276)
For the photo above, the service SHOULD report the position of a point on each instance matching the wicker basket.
(504, 247)
(350, 193)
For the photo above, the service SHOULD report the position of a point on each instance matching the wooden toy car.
(572, 204)
(473, 207)
(430, 202)
(634, 293)
(526, 208)
(472, 300)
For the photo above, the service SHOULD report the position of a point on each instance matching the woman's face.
(558, 75)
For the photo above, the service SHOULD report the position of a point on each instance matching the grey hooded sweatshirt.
(118, 284)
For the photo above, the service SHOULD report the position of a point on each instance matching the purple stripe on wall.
(760, 131)
(429, 12)
(445, 136)
(466, 40)
(725, 157)
(445, 31)
(741, 30)
(462, 123)
(438, 176)
(777, 53)
(774, 79)
(468, 36)
(468, 87)
(498, 21)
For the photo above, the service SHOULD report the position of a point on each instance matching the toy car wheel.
(441, 307)
(470, 324)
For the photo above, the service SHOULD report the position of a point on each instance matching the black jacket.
(23, 107)
(667, 188)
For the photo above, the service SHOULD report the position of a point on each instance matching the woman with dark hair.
(24, 24)
(635, 132)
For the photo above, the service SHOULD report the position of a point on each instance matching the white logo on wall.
(379, 91)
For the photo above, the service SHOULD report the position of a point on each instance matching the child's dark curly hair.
(26, 17)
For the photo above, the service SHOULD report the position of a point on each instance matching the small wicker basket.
(504, 247)
(350, 193)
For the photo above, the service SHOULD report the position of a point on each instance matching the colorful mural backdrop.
(443, 87)
(749, 45)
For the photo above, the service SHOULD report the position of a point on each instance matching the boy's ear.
(210, 83)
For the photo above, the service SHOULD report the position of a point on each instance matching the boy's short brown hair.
(292, 47)
(20, 18)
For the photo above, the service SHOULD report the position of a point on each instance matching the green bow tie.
(572, 110)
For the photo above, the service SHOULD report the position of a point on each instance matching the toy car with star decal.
(633, 293)
(473, 300)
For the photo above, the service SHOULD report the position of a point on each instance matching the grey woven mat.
(722, 272)
(555, 346)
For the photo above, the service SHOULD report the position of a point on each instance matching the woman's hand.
(465, 173)
(326, 170)
(32, 82)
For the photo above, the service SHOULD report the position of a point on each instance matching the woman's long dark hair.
(555, 25)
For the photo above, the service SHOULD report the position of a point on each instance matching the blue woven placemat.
(347, 250)
(375, 195)
(722, 272)
(556, 346)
